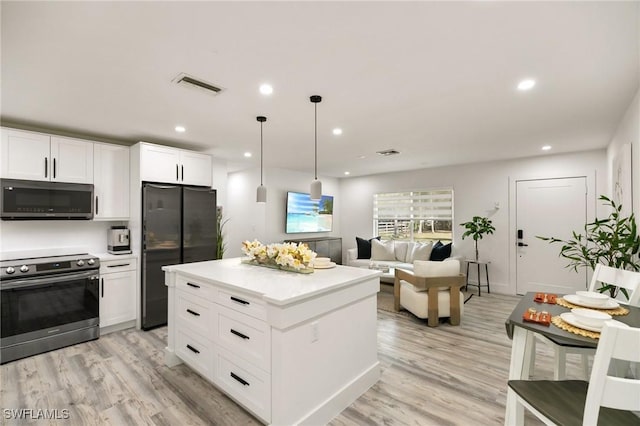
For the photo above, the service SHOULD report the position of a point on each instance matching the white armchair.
(431, 291)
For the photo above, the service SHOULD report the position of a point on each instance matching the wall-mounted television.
(306, 215)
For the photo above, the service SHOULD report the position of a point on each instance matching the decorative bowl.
(590, 317)
(592, 297)
(322, 261)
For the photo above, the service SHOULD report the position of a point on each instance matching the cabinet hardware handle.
(523, 245)
(182, 172)
(237, 333)
(54, 168)
(240, 379)
(177, 178)
(243, 302)
(46, 167)
(193, 312)
(193, 285)
(96, 204)
(119, 265)
(191, 348)
(102, 282)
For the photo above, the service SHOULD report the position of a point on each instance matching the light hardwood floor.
(430, 376)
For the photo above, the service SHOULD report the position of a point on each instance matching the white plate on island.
(325, 266)
(575, 299)
(571, 319)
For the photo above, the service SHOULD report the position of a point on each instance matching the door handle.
(102, 282)
(96, 204)
(523, 245)
(182, 170)
(177, 177)
(46, 167)
(54, 168)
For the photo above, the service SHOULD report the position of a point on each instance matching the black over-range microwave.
(35, 200)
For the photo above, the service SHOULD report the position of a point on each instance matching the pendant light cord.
(261, 154)
(315, 129)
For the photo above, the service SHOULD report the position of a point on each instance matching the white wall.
(219, 179)
(628, 131)
(21, 235)
(249, 220)
(477, 187)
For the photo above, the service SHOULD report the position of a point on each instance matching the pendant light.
(316, 185)
(261, 193)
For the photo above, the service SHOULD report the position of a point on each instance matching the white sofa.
(393, 254)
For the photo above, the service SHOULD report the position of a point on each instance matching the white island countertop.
(275, 286)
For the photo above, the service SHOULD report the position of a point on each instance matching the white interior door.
(548, 208)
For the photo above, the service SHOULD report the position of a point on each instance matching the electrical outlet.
(314, 331)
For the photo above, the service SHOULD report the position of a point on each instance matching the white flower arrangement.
(287, 255)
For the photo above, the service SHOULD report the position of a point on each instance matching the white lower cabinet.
(117, 292)
(220, 334)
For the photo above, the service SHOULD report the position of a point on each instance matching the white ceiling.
(434, 80)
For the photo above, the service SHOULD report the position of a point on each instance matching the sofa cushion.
(364, 247)
(400, 250)
(419, 251)
(440, 251)
(382, 250)
(428, 268)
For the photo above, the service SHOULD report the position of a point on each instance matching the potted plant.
(477, 228)
(613, 241)
(221, 244)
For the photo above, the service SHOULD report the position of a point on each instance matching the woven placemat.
(560, 323)
(617, 311)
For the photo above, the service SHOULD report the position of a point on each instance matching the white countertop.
(273, 285)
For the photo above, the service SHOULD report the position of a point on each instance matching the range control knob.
(80, 262)
(10, 270)
(91, 261)
(24, 268)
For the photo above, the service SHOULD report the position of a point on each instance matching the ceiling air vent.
(388, 152)
(191, 81)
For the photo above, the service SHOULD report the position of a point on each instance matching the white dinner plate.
(569, 318)
(575, 299)
(325, 266)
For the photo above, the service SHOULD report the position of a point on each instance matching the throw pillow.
(364, 247)
(440, 251)
(382, 250)
(428, 268)
(400, 250)
(421, 251)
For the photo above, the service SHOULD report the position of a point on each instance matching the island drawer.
(195, 287)
(240, 302)
(196, 351)
(246, 384)
(246, 337)
(193, 313)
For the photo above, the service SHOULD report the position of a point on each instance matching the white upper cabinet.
(71, 160)
(172, 165)
(37, 156)
(111, 182)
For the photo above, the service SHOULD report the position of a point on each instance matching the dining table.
(523, 332)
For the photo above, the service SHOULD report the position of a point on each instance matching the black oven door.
(24, 199)
(43, 306)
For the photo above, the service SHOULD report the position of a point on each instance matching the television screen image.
(306, 215)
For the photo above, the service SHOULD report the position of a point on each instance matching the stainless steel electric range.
(47, 303)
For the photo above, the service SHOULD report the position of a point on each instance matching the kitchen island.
(290, 348)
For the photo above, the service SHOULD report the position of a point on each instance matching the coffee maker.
(118, 240)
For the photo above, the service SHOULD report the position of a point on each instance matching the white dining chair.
(620, 278)
(605, 399)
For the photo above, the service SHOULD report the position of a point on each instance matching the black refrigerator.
(178, 226)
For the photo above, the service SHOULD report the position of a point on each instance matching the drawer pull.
(193, 312)
(237, 333)
(119, 265)
(193, 285)
(240, 379)
(192, 349)
(242, 302)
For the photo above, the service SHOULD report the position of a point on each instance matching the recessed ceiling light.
(247, 154)
(347, 173)
(180, 129)
(337, 131)
(546, 147)
(362, 157)
(526, 84)
(266, 89)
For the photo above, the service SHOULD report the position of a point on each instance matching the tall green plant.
(613, 241)
(477, 228)
(221, 244)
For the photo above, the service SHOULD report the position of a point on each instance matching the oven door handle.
(51, 279)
